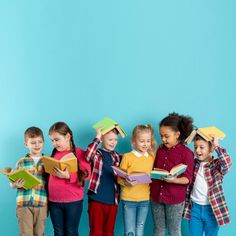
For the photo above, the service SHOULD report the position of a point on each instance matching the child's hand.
(170, 180)
(215, 142)
(130, 183)
(98, 133)
(61, 174)
(18, 183)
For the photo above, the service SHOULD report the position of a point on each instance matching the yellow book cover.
(30, 180)
(206, 133)
(69, 161)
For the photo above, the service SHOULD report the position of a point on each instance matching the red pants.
(102, 219)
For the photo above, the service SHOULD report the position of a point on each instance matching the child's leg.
(25, 220)
(129, 215)
(56, 211)
(211, 226)
(196, 224)
(96, 221)
(110, 219)
(158, 214)
(142, 211)
(73, 211)
(174, 214)
(40, 216)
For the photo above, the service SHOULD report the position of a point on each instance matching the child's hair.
(63, 129)
(144, 128)
(181, 123)
(33, 132)
(198, 137)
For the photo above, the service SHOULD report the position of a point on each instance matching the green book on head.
(30, 180)
(107, 125)
(206, 133)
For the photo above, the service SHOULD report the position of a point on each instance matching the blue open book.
(139, 177)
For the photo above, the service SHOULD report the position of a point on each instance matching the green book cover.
(108, 124)
(30, 180)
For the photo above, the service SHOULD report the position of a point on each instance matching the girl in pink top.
(66, 190)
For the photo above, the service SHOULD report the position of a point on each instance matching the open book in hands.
(138, 177)
(69, 161)
(175, 171)
(30, 180)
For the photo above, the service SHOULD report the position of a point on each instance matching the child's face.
(109, 141)
(35, 145)
(142, 142)
(169, 137)
(60, 142)
(202, 150)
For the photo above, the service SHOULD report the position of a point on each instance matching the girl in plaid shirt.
(205, 203)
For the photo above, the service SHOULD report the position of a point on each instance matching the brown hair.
(181, 123)
(33, 132)
(144, 128)
(198, 137)
(63, 129)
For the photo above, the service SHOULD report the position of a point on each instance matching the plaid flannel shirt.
(214, 172)
(94, 155)
(36, 196)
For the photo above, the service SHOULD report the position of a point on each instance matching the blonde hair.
(144, 128)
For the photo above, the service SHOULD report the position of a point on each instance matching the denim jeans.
(135, 214)
(167, 216)
(202, 220)
(65, 217)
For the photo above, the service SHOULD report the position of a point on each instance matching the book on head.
(68, 161)
(206, 133)
(30, 180)
(158, 173)
(107, 124)
(139, 177)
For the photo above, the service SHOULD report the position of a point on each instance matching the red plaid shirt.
(214, 172)
(94, 155)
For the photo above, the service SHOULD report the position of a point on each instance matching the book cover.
(30, 180)
(140, 177)
(69, 161)
(205, 133)
(175, 171)
(108, 124)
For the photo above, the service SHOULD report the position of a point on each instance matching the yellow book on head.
(30, 180)
(107, 125)
(206, 133)
(68, 161)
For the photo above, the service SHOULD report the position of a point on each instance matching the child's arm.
(224, 159)
(17, 184)
(92, 148)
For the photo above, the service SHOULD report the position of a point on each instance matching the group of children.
(196, 194)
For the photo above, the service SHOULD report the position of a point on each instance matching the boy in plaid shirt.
(205, 203)
(103, 190)
(31, 209)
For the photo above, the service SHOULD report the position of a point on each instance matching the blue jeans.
(135, 214)
(202, 220)
(65, 217)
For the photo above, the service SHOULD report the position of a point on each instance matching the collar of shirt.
(138, 154)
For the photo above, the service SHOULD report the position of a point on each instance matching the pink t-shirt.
(68, 190)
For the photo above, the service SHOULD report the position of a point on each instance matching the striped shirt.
(94, 155)
(37, 195)
(214, 172)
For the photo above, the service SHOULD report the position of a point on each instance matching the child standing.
(66, 190)
(31, 209)
(103, 188)
(205, 204)
(168, 195)
(135, 197)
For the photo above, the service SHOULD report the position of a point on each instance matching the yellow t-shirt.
(136, 162)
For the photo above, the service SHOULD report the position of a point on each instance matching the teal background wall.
(132, 60)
